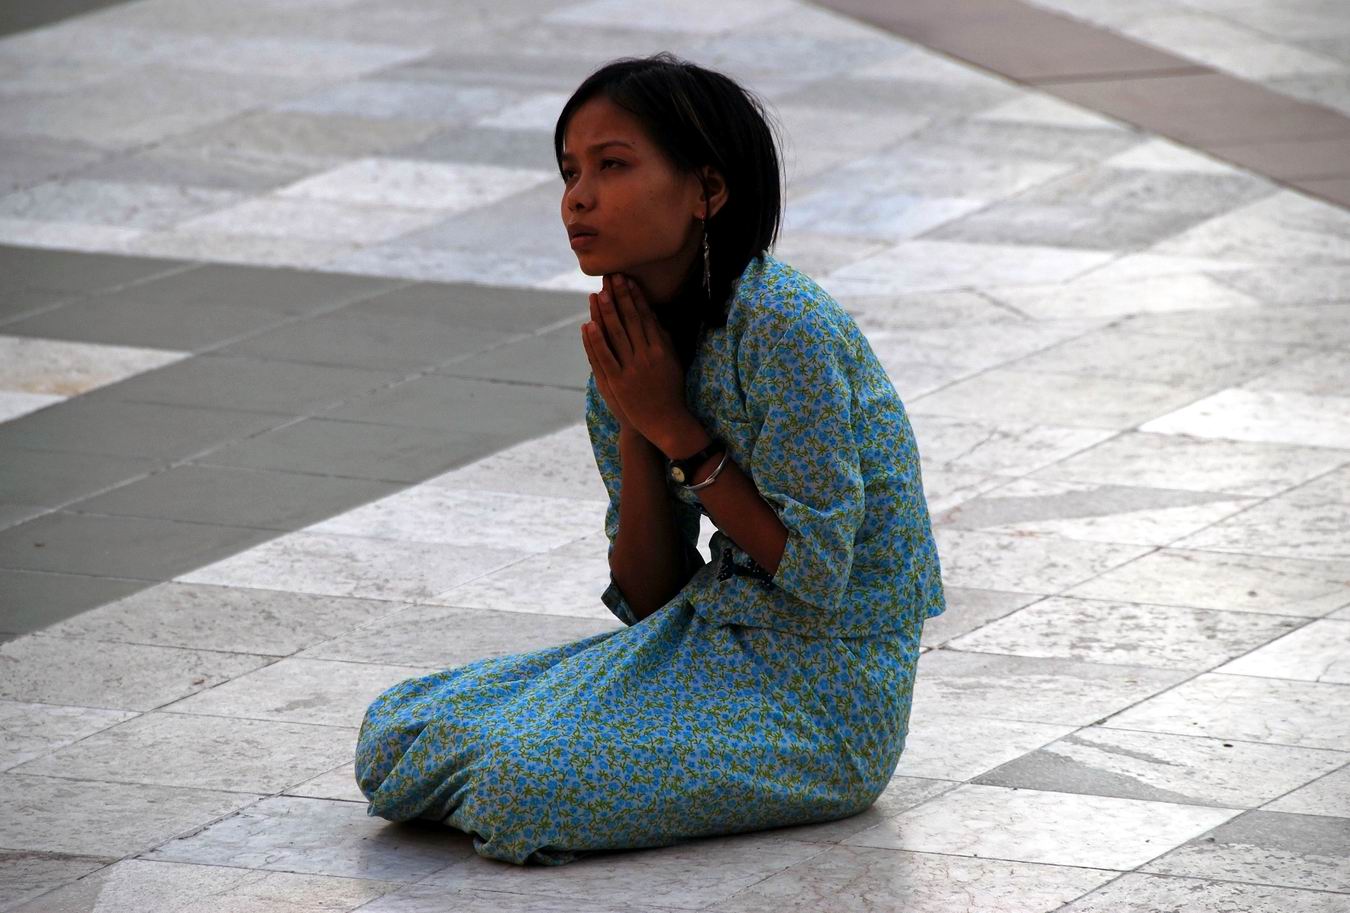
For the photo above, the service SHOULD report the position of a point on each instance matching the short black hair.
(700, 117)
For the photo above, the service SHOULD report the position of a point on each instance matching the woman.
(771, 686)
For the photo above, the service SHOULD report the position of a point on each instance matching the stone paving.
(291, 390)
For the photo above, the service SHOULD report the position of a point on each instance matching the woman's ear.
(716, 190)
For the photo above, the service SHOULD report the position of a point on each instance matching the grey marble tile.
(338, 784)
(901, 793)
(442, 637)
(1322, 373)
(135, 885)
(417, 101)
(998, 446)
(112, 676)
(1032, 689)
(1089, 512)
(1328, 796)
(856, 879)
(34, 599)
(1318, 325)
(445, 187)
(688, 875)
(419, 898)
(1270, 711)
(233, 619)
(559, 464)
(969, 608)
(32, 730)
(1090, 295)
(60, 367)
(1025, 563)
(931, 265)
(294, 690)
(1166, 768)
(1055, 828)
(1311, 283)
(25, 875)
(1079, 226)
(1231, 582)
(1140, 893)
(1279, 227)
(320, 837)
(112, 203)
(58, 815)
(1136, 634)
(1316, 652)
(1299, 851)
(1195, 463)
(1285, 526)
(176, 749)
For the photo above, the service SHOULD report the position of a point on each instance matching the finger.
(604, 358)
(620, 344)
(650, 324)
(628, 309)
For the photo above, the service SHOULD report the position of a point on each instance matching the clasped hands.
(634, 361)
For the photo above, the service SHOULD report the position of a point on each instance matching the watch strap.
(682, 470)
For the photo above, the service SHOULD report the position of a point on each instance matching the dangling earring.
(707, 271)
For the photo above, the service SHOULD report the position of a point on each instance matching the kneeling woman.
(772, 685)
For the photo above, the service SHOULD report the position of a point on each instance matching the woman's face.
(643, 211)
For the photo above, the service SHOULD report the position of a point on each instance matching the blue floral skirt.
(654, 734)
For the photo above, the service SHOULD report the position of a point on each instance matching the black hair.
(698, 117)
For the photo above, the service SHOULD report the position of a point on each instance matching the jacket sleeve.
(603, 429)
(805, 460)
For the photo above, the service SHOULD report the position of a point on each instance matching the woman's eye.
(568, 172)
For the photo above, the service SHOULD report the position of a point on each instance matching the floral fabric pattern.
(749, 700)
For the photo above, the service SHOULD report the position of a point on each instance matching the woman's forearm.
(648, 559)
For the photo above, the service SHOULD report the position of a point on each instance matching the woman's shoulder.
(775, 302)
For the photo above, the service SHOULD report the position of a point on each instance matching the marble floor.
(290, 410)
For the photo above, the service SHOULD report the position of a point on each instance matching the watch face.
(677, 474)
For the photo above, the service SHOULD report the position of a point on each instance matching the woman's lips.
(580, 241)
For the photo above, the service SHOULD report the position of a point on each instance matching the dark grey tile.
(366, 340)
(237, 497)
(192, 168)
(247, 384)
(76, 271)
(11, 514)
(1085, 227)
(129, 429)
(16, 17)
(205, 306)
(360, 450)
(24, 302)
(55, 477)
(505, 309)
(467, 405)
(133, 547)
(556, 358)
(501, 146)
(31, 600)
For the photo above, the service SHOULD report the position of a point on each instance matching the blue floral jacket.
(806, 409)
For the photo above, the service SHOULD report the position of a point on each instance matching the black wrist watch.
(682, 470)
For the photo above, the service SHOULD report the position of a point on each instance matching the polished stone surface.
(290, 411)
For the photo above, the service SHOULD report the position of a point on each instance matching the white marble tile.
(252, 250)
(969, 608)
(65, 235)
(406, 100)
(1034, 108)
(178, 749)
(1008, 448)
(397, 259)
(1026, 563)
(1320, 373)
(295, 690)
(30, 364)
(33, 730)
(1262, 415)
(861, 879)
(59, 815)
(113, 676)
(1159, 154)
(447, 187)
(1035, 826)
(13, 405)
(950, 746)
(1090, 295)
(1272, 711)
(945, 488)
(556, 465)
(1329, 795)
(920, 265)
(1166, 768)
(1142, 893)
(469, 518)
(1129, 267)
(1231, 582)
(1227, 46)
(1031, 397)
(1195, 463)
(901, 793)
(322, 220)
(862, 213)
(1135, 634)
(1317, 652)
(121, 205)
(538, 112)
(1282, 527)
(320, 837)
(1273, 848)
(234, 619)
(702, 16)
(338, 783)
(1031, 689)
(25, 875)
(354, 566)
(139, 885)
(564, 581)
